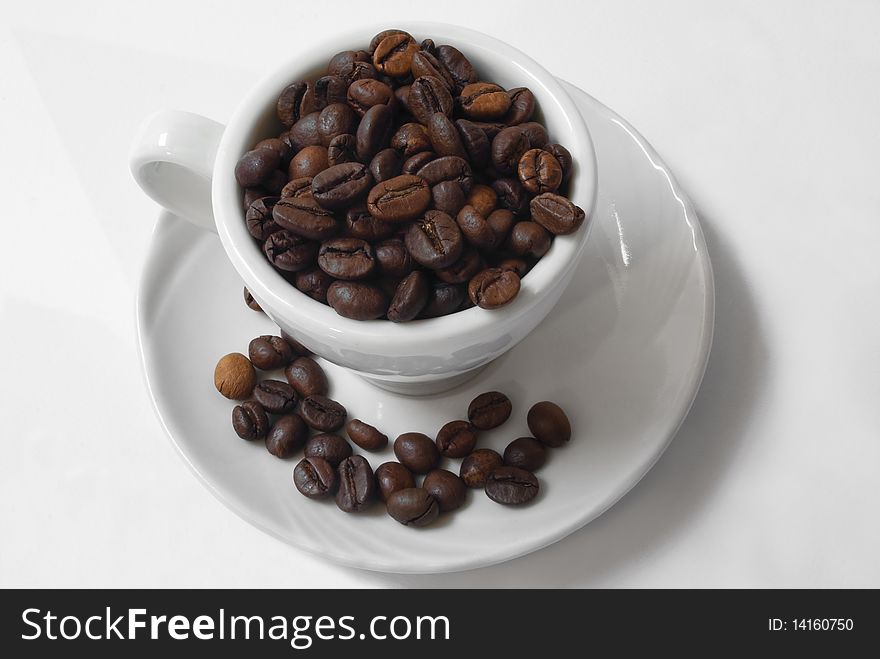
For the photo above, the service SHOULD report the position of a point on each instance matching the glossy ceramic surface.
(623, 353)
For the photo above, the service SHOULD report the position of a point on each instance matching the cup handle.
(172, 159)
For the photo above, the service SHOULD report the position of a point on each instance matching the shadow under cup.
(421, 356)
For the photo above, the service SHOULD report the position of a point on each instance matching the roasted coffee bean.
(336, 119)
(307, 377)
(276, 396)
(392, 477)
(330, 89)
(298, 187)
(374, 131)
(501, 221)
(429, 95)
(249, 420)
(448, 168)
(234, 376)
(416, 161)
(556, 213)
(483, 199)
(276, 182)
(347, 258)
(529, 239)
(539, 172)
(305, 217)
(357, 484)
(305, 132)
(309, 103)
(402, 95)
(255, 167)
(392, 259)
(536, 134)
(444, 299)
(366, 436)
(315, 478)
(448, 197)
(434, 241)
(476, 467)
(475, 228)
(322, 413)
(333, 448)
(410, 297)
(526, 453)
(354, 71)
(493, 288)
(282, 148)
(286, 436)
(290, 252)
(416, 452)
(339, 186)
(357, 300)
(444, 136)
(269, 352)
(511, 486)
(564, 157)
(342, 149)
(447, 488)
(401, 198)
(385, 165)
(314, 283)
(289, 101)
(484, 101)
(456, 439)
(462, 270)
(458, 66)
(253, 194)
(410, 139)
(364, 94)
(475, 143)
(507, 148)
(259, 218)
(250, 301)
(511, 195)
(297, 347)
(490, 128)
(428, 45)
(344, 58)
(489, 410)
(522, 106)
(310, 161)
(413, 507)
(549, 424)
(393, 55)
(519, 266)
(361, 224)
(425, 64)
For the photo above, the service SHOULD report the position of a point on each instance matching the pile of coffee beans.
(295, 414)
(404, 186)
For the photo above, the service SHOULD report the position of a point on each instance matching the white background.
(769, 114)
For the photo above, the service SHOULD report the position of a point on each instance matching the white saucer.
(623, 353)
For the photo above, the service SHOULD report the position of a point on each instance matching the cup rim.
(281, 298)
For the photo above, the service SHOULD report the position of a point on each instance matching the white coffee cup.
(185, 162)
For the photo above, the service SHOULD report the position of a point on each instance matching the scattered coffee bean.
(447, 488)
(357, 484)
(322, 413)
(511, 486)
(276, 396)
(250, 301)
(366, 436)
(489, 410)
(392, 477)
(417, 452)
(315, 478)
(476, 467)
(286, 436)
(456, 439)
(269, 352)
(333, 448)
(525, 453)
(297, 347)
(234, 376)
(549, 424)
(249, 420)
(306, 376)
(413, 506)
